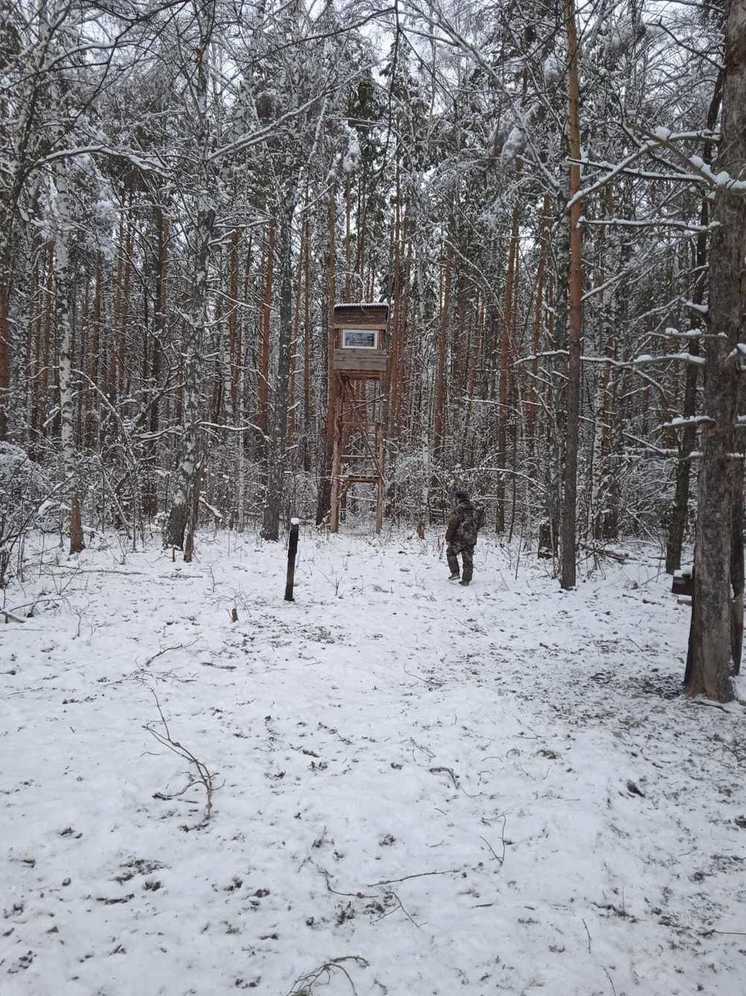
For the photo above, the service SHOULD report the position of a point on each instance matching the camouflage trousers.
(467, 555)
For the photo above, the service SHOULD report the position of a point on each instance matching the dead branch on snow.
(203, 776)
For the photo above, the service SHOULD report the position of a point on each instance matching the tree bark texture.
(504, 410)
(265, 337)
(721, 473)
(687, 443)
(330, 286)
(278, 434)
(440, 386)
(568, 520)
(4, 360)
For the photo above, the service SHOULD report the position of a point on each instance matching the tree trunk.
(184, 505)
(124, 374)
(327, 330)
(160, 264)
(277, 451)
(568, 520)
(538, 323)
(506, 351)
(65, 312)
(4, 361)
(680, 509)
(394, 338)
(721, 474)
(292, 442)
(262, 419)
(439, 418)
(47, 341)
(737, 570)
(307, 343)
(183, 513)
(234, 343)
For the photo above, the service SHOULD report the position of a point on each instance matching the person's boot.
(454, 577)
(465, 581)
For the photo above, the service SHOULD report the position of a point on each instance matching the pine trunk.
(718, 565)
(4, 361)
(506, 351)
(538, 322)
(266, 337)
(568, 516)
(688, 441)
(439, 419)
(279, 427)
(307, 345)
(327, 331)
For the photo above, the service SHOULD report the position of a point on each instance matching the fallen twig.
(101, 570)
(9, 615)
(406, 912)
(428, 682)
(36, 601)
(600, 551)
(166, 650)
(714, 930)
(448, 771)
(405, 878)
(500, 858)
(219, 667)
(303, 985)
(204, 776)
(347, 895)
(611, 981)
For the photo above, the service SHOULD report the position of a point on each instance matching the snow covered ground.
(416, 788)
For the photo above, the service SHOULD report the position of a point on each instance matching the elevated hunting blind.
(359, 365)
(360, 340)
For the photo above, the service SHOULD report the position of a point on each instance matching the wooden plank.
(380, 491)
(336, 462)
(361, 326)
(361, 375)
(292, 551)
(361, 315)
(360, 359)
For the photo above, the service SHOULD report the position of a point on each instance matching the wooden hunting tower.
(359, 365)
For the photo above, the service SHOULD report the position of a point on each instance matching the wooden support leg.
(379, 484)
(336, 465)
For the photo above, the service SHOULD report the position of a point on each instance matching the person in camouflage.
(461, 537)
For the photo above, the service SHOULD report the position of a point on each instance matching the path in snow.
(482, 790)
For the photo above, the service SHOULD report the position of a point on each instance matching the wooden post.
(379, 485)
(336, 459)
(292, 551)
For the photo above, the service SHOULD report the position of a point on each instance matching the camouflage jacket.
(462, 525)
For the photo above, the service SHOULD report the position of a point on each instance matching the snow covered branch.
(684, 226)
(683, 423)
(645, 358)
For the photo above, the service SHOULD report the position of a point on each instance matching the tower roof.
(365, 314)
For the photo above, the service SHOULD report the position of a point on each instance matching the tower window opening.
(359, 339)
